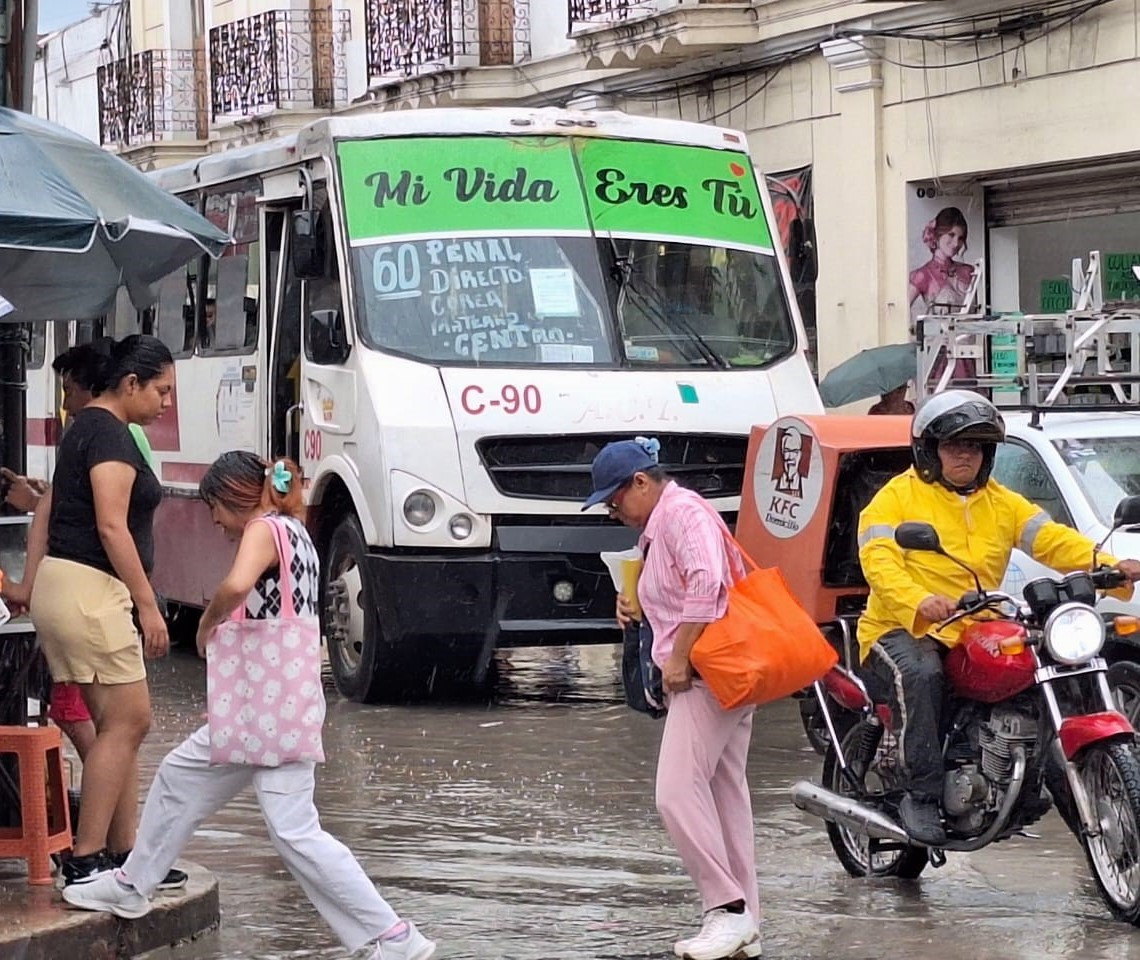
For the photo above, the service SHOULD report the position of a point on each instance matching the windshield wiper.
(655, 310)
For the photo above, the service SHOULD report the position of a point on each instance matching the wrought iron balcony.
(278, 59)
(610, 11)
(149, 97)
(409, 37)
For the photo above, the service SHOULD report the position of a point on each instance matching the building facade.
(910, 142)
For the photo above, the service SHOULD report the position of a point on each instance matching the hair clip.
(280, 476)
(650, 445)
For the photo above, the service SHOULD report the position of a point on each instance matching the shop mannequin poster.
(946, 235)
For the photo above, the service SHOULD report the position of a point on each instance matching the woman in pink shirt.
(702, 790)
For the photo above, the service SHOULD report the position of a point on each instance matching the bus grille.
(558, 467)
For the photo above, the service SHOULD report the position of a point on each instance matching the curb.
(50, 931)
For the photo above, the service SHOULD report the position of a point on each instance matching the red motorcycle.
(1031, 723)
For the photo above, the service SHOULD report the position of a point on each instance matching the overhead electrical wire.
(1029, 22)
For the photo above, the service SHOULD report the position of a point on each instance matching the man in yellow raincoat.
(954, 437)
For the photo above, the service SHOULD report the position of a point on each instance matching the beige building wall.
(872, 123)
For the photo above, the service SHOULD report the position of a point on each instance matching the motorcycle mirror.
(915, 535)
(1127, 513)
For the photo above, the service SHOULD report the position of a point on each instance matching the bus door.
(283, 313)
(328, 387)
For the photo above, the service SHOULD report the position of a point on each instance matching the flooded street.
(525, 829)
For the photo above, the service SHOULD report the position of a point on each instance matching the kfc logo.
(793, 464)
(789, 478)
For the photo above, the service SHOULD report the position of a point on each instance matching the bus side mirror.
(308, 246)
(327, 339)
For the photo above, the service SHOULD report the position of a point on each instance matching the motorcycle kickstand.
(937, 857)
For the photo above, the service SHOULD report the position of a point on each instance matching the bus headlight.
(419, 508)
(1074, 633)
(460, 526)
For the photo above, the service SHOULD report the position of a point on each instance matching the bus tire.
(359, 658)
(368, 664)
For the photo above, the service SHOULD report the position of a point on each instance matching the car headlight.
(419, 508)
(1074, 633)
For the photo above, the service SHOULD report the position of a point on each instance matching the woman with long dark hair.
(99, 554)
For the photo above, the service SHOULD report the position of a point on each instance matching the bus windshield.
(603, 253)
(572, 300)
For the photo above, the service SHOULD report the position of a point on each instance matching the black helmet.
(955, 415)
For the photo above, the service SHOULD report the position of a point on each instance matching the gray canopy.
(77, 223)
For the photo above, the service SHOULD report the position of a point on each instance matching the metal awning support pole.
(14, 337)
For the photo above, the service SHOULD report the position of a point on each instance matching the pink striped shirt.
(687, 569)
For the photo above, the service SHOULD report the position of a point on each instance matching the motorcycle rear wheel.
(1111, 775)
(815, 726)
(875, 775)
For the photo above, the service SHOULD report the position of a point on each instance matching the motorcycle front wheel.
(1111, 775)
(875, 769)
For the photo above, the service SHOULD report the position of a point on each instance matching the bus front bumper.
(507, 598)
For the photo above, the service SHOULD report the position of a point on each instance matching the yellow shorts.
(83, 619)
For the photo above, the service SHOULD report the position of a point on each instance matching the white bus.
(443, 315)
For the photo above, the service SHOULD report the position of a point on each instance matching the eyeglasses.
(614, 501)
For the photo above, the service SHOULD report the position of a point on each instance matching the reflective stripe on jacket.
(980, 529)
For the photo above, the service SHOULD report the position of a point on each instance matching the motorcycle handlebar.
(1108, 578)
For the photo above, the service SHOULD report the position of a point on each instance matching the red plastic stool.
(45, 821)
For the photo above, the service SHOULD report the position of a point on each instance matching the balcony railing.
(281, 58)
(409, 37)
(149, 97)
(609, 11)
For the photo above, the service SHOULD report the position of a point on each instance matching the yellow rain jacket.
(980, 529)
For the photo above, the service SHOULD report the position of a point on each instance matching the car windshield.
(572, 300)
(1106, 468)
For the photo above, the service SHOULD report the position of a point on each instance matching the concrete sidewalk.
(35, 924)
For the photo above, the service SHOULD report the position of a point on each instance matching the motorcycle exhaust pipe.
(813, 799)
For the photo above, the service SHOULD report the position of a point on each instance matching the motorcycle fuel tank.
(977, 668)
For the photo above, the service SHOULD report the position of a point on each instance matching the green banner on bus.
(413, 186)
(638, 187)
(451, 185)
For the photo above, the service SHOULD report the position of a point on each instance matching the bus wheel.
(352, 620)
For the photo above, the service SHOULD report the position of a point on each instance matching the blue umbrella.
(77, 223)
(870, 373)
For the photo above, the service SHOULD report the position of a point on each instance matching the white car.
(1077, 467)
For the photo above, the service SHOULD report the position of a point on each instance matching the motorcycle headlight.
(1074, 633)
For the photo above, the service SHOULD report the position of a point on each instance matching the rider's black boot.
(922, 820)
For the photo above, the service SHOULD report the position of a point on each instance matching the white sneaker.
(722, 935)
(415, 946)
(751, 950)
(106, 893)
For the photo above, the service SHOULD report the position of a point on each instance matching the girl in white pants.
(240, 488)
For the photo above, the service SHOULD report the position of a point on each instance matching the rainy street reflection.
(524, 828)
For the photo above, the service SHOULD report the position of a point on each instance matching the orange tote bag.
(765, 647)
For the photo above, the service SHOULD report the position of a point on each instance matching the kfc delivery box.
(806, 481)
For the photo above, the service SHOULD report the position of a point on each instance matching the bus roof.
(315, 139)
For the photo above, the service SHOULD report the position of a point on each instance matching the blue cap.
(617, 462)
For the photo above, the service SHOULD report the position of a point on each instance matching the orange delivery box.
(806, 481)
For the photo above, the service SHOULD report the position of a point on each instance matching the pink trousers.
(703, 798)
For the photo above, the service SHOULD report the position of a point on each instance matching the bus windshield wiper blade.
(655, 311)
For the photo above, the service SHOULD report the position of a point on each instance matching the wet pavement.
(525, 829)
